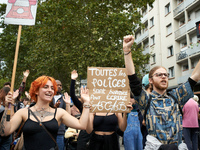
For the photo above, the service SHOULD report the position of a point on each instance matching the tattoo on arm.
(3, 120)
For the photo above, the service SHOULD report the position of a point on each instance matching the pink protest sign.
(21, 12)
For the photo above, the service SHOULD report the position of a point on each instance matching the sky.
(3, 1)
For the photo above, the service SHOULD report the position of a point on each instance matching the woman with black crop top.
(83, 137)
(104, 125)
(42, 91)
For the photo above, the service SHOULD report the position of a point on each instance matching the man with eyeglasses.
(163, 118)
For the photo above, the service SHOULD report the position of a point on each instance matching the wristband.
(127, 53)
(86, 105)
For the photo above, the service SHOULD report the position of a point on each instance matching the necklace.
(42, 113)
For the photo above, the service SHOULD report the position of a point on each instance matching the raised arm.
(196, 72)
(23, 84)
(134, 81)
(127, 44)
(8, 127)
(76, 101)
(67, 101)
(72, 122)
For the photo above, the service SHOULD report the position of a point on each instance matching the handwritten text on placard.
(108, 88)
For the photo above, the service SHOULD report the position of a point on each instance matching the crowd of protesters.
(159, 119)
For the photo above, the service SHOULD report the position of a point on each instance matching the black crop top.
(35, 137)
(105, 123)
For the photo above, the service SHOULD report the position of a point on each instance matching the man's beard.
(59, 92)
(159, 87)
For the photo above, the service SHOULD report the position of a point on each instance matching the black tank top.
(35, 137)
(106, 123)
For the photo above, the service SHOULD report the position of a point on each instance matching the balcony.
(178, 9)
(191, 51)
(192, 24)
(142, 37)
(188, 2)
(144, 18)
(181, 7)
(146, 51)
(180, 32)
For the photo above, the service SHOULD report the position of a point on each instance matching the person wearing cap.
(145, 83)
(190, 123)
(148, 88)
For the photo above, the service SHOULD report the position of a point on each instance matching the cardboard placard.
(108, 89)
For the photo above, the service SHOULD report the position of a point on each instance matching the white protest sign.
(21, 12)
(109, 89)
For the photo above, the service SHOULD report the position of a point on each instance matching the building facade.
(170, 36)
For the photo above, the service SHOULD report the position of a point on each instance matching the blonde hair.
(196, 98)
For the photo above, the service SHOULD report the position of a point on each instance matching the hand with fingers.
(9, 99)
(15, 94)
(26, 73)
(66, 98)
(85, 95)
(129, 106)
(56, 105)
(127, 43)
(27, 95)
(74, 75)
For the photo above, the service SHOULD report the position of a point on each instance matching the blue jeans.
(132, 135)
(191, 138)
(61, 142)
(5, 142)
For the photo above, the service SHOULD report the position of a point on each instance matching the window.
(167, 9)
(183, 44)
(154, 58)
(153, 40)
(179, 1)
(189, 17)
(185, 67)
(197, 13)
(152, 22)
(192, 64)
(170, 51)
(146, 27)
(144, 12)
(171, 72)
(150, 8)
(169, 29)
(137, 35)
(181, 22)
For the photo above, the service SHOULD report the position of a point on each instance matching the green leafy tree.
(72, 35)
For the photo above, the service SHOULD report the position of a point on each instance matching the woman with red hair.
(42, 91)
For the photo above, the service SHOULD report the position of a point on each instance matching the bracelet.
(86, 105)
(127, 53)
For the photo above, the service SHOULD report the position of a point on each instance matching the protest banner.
(108, 89)
(19, 12)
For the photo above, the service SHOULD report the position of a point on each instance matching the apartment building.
(170, 36)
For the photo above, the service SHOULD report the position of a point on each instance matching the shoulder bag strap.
(18, 132)
(40, 123)
(176, 101)
(148, 105)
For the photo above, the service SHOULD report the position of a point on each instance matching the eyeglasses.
(161, 75)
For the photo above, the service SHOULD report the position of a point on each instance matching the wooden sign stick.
(14, 70)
